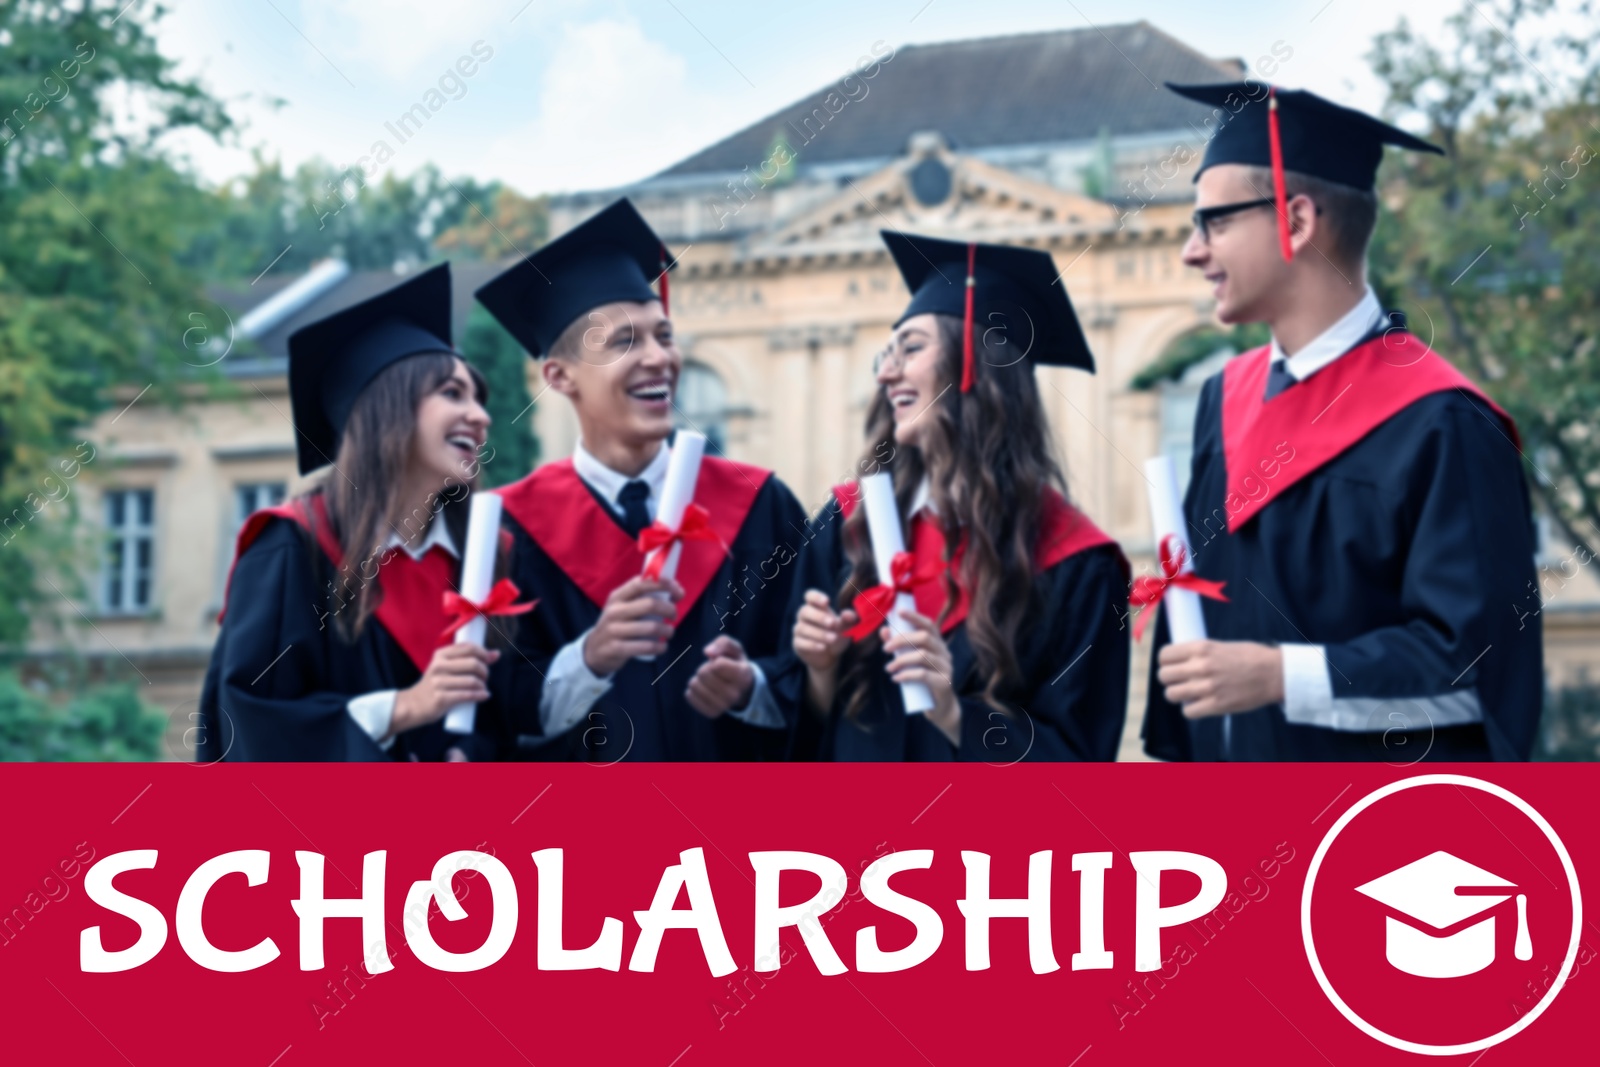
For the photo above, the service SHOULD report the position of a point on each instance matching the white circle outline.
(1493, 790)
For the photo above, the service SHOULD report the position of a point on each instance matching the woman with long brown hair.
(333, 642)
(1021, 600)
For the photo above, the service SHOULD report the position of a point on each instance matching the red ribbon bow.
(696, 526)
(1148, 591)
(498, 602)
(875, 604)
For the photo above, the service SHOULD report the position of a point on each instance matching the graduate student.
(1019, 629)
(331, 645)
(616, 665)
(1361, 501)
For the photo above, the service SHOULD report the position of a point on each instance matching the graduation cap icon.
(1429, 891)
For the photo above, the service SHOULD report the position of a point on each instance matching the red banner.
(1072, 915)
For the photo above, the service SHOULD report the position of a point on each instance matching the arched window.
(702, 404)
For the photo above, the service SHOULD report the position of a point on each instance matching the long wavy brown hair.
(370, 465)
(990, 459)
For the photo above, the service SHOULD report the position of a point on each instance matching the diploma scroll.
(1185, 621)
(477, 575)
(888, 540)
(677, 493)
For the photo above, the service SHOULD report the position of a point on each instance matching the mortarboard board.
(1017, 290)
(610, 257)
(1296, 130)
(333, 359)
(1427, 891)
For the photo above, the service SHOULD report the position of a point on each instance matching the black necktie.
(1278, 378)
(633, 498)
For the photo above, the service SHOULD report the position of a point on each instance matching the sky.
(566, 95)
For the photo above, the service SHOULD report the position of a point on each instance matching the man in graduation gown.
(283, 683)
(616, 665)
(1362, 503)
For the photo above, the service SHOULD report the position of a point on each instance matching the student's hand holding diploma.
(636, 621)
(1221, 677)
(923, 656)
(457, 673)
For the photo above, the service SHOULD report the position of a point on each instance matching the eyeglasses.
(891, 354)
(1204, 217)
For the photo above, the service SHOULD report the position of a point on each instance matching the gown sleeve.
(271, 693)
(516, 682)
(1074, 700)
(762, 619)
(1166, 731)
(1470, 557)
(820, 565)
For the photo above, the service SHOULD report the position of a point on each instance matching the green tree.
(91, 226)
(1495, 243)
(108, 722)
(492, 222)
(504, 366)
(1197, 347)
(1570, 727)
(372, 222)
(1099, 175)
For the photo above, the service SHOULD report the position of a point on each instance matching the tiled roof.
(271, 349)
(1037, 88)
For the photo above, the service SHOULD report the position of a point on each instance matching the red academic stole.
(1064, 531)
(412, 606)
(562, 516)
(1315, 420)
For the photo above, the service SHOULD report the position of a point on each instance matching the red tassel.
(967, 368)
(666, 308)
(1278, 190)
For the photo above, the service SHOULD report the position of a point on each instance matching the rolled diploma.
(477, 575)
(883, 529)
(677, 493)
(1185, 621)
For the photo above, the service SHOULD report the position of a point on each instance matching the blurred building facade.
(781, 296)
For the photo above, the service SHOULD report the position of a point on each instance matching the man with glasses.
(1363, 502)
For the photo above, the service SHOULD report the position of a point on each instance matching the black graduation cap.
(610, 257)
(1292, 129)
(995, 287)
(333, 359)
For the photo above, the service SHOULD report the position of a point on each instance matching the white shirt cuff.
(374, 713)
(570, 689)
(1307, 690)
(762, 707)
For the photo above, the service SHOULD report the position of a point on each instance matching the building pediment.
(936, 191)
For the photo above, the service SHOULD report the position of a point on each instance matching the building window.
(702, 404)
(130, 550)
(251, 497)
(248, 498)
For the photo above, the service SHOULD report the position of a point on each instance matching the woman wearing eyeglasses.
(1019, 629)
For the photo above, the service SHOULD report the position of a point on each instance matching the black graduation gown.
(1072, 648)
(571, 551)
(1377, 508)
(280, 677)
